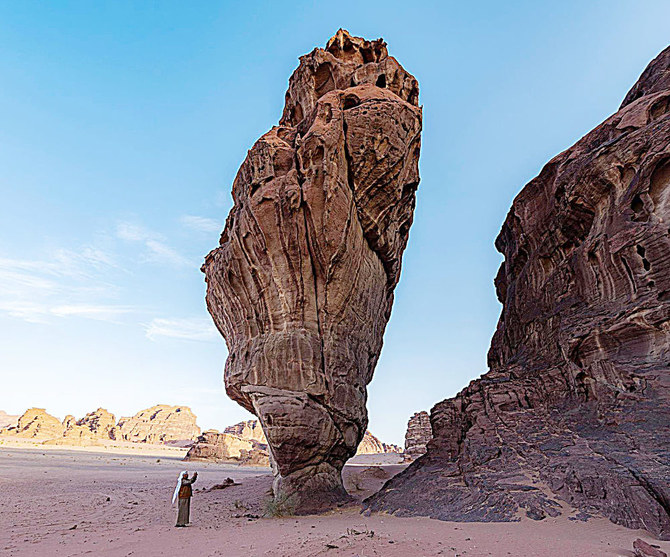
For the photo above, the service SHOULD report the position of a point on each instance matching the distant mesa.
(161, 424)
(35, 423)
(158, 424)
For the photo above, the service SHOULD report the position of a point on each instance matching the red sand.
(56, 505)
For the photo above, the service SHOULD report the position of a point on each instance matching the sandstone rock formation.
(418, 435)
(7, 420)
(158, 424)
(227, 447)
(576, 405)
(301, 286)
(35, 423)
(371, 445)
(100, 423)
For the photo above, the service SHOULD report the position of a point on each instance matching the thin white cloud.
(201, 224)
(155, 244)
(91, 311)
(68, 284)
(195, 328)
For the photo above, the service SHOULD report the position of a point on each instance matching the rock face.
(35, 423)
(158, 424)
(301, 286)
(419, 433)
(227, 447)
(100, 423)
(371, 445)
(576, 405)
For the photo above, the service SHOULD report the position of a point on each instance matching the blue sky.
(124, 123)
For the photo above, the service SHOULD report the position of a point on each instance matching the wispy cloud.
(157, 248)
(70, 283)
(195, 328)
(201, 224)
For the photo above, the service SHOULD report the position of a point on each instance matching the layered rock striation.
(576, 405)
(418, 435)
(301, 285)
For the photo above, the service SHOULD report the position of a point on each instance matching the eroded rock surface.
(576, 405)
(301, 286)
(100, 423)
(159, 424)
(36, 423)
(418, 435)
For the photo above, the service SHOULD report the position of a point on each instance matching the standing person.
(184, 492)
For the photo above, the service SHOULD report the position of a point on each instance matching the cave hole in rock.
(381, 81)
(350, 101)
(645, 262)
(637, 205)
(323, 80)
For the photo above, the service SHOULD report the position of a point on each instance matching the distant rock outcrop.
(301, 285)
(251, 429)
(159, 424)
(371, 445)
(576, 406)
(35, 423)
(419, 433)
(227, 447)
(100, 423)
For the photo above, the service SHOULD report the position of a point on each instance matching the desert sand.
(86, 502)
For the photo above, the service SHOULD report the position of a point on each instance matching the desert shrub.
(283, 505)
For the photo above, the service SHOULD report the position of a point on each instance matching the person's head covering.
(176, 489)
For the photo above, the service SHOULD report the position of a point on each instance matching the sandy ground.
(59, 502)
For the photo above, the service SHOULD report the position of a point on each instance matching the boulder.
(228, 448)
(301, 285)
(575, 409)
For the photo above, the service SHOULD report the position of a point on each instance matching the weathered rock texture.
(158, 424)
(228, 447)
(301, 286)
(372, 445)
(100, 423)
(419, 433)
(576, 405)
(35, 423)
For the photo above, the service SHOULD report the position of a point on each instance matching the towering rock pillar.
(301, 285)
